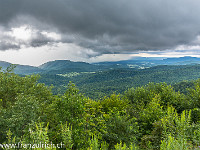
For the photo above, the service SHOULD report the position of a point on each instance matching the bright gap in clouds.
(21, 33)
(28, 36)
(160, 54)
(51, 35)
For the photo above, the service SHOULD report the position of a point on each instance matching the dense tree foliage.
(153, 116)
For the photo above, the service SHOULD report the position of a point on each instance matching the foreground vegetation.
(154, 116)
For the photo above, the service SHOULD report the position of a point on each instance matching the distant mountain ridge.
(145, 62)
(64, 66)
(21, 69)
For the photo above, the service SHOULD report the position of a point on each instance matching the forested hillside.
(153, 116)
(102, 83)
(21, 69)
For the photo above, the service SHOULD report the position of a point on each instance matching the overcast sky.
(35, 31)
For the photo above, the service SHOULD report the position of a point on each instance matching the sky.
(33, 32)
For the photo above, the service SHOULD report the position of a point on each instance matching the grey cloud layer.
(108, 26)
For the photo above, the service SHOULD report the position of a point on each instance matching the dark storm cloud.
(108, 26)
(8, 45)
(39, 40)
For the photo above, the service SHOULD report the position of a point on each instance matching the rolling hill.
(21, 69)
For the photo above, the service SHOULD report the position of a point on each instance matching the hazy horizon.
(133, 58)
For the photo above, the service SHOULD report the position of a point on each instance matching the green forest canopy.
(153, 116)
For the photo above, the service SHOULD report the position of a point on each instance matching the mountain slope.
(66, 65)
(21, 69)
